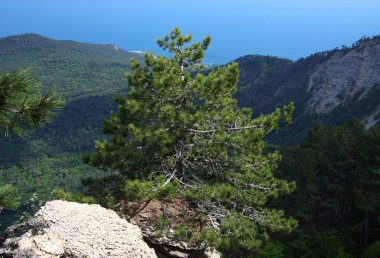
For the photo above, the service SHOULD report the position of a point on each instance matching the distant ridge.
(75, 69)
(36, 41)
(331, 86)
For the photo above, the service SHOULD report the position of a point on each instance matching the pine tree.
(22, 109)
(8, 198)
(181, 132)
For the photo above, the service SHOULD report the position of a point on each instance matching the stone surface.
(346, 75)
(176, 211)
(68, 229)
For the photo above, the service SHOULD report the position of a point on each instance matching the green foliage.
(22, 109)
(338, 186)
(322, 246)
(103, 189)
(22, 106)
(256, 70)
(72, 197)
(181, 232)
(8, 197)
(24, 211)
(185, 131)
(138, 190)
(288, 111)
(87, 75)
(143, 190)
(236, 232)
(75, 69)
(40, 176)
(167, 191)
(373, 251)
(318, 245)
(162, 226)
(271, 250)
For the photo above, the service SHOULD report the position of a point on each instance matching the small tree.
(184, 132)
(22, 109)
(8, 198)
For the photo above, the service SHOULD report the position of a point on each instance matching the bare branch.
(230, 129)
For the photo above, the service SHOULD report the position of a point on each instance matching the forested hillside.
(87, 76)
(336, 199)
(75, 69)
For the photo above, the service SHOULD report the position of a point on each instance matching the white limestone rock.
(345, 76)
(79, 230)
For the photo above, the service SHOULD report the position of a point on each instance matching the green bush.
(319, 245)
(162, 226)
(271, 250)
(72, 197)
(181, 232)
(144, 190)
(373, 251)
(138, 190)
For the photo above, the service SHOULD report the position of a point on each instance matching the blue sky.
(285, 28)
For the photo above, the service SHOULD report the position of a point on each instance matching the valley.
(330, 87)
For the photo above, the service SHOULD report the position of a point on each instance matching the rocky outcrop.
(373, 118)
(346, 75)
(68, 229)
(330, 86)
(162, 235)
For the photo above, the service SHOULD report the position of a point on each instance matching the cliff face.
(67, 229)
(332, 87)
(344, 76)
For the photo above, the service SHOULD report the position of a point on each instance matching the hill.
(74, 69)
(331, 86)
(87, 76)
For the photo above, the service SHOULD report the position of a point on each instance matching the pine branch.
(230, 129)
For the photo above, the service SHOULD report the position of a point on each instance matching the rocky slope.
(67, 229)
(331, 86)
(162, 236)
(345, 76)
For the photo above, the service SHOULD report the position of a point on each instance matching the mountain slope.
(86, 76)
(75, 69)
(331, 86)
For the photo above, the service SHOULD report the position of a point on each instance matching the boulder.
(68, 229)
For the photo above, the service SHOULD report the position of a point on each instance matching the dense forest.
(336, 201)
(331, 167)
